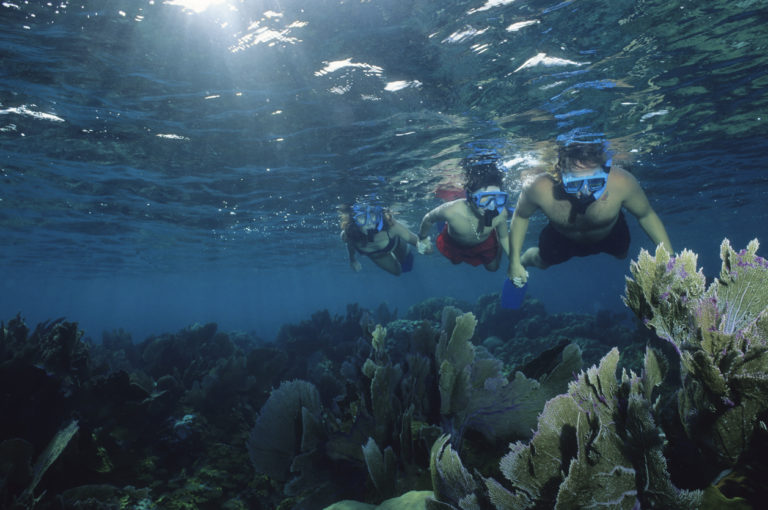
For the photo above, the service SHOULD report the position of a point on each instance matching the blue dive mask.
(369, 217)
(593, 184)
(489, 200)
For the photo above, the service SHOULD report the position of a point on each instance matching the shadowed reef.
(456, 405)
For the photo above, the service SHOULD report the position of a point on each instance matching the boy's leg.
(494, 264)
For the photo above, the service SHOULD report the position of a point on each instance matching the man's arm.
(636, 202)
(526, 206)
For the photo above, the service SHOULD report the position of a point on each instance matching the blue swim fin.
(512, 296)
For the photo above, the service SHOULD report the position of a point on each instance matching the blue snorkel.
(606, 169)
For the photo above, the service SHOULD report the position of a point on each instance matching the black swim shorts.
(555, 248)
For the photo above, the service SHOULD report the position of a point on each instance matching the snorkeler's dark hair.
(579, 152)
(481, 171)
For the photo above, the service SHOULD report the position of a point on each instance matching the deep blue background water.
(161, 166)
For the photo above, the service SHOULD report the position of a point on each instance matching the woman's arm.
(351, 252)
(401, 231)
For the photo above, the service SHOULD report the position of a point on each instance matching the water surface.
(164, 163)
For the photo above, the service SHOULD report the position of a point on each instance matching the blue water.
(162, 165)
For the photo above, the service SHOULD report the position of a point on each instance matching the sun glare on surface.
(194, 5)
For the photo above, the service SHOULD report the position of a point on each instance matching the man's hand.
(356, 265)
(424, 246)
(518, 274)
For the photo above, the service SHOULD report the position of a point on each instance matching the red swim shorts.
(482, 253)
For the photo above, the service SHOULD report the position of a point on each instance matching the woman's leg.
(389, 263)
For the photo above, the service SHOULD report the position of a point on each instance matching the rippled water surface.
(185, 159)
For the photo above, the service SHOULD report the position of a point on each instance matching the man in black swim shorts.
(555, 248)
(583, 197)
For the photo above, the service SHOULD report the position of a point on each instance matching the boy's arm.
(636, 202)
(502, 230)
(430, 219)
(424, 244)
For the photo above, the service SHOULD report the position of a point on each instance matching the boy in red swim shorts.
(475, 230)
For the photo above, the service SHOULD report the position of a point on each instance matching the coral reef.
(606, 441)
(335, 408)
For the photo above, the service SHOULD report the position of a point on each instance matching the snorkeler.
(475, 229)
(372, 231)
(582, 197)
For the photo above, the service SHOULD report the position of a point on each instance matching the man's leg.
(531, 257)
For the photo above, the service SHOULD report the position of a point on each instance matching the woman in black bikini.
(372, 231)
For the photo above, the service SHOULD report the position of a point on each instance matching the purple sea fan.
(742, 289)
(739, 307)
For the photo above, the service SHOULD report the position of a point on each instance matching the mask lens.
(484, 201)
(490, 200)
(572, 185)
(360, 218)
(595, 183)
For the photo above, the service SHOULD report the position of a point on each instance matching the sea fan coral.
(721, 334)
(273, 444)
